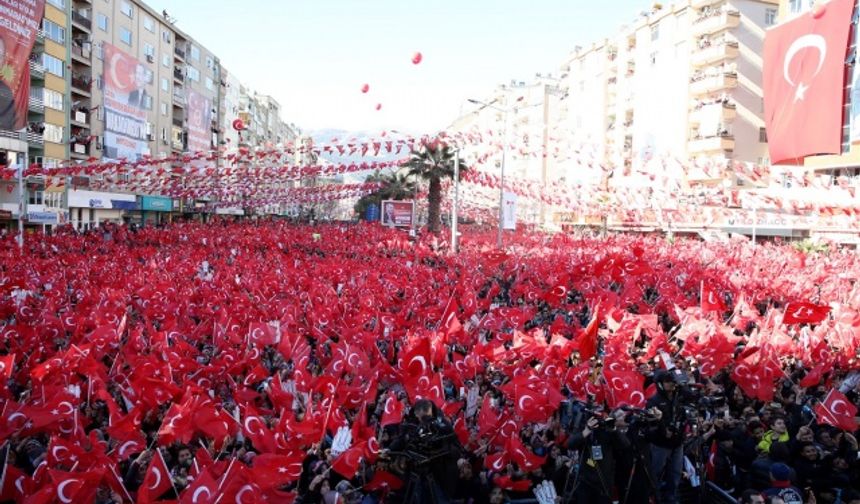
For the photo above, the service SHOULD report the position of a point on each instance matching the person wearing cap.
(667, 438)
(780, 485)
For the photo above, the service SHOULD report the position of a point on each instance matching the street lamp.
(504, 155)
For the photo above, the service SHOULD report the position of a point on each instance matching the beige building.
(682, 80)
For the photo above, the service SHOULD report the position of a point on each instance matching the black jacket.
(613, 446)
(670, 429)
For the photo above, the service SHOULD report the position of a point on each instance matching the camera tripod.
(421, 486)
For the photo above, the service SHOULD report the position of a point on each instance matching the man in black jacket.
(667, 441)
(600, 445)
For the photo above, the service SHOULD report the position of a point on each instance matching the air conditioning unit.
(150, 58)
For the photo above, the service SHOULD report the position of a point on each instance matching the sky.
(313, 56)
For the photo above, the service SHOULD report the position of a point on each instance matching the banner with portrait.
(19, 23)
(126, 103)
(199, 122)
(398, 213)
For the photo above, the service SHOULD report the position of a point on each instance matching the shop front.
(155, 210)
(89, 209)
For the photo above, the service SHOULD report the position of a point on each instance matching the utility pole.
(454, 234)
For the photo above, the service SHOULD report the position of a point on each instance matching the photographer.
(429, 450)
(601, 444)
(667, 439)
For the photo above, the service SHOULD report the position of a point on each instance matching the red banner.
(804, 77)
(19, 22)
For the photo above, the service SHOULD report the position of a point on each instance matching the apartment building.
(682, 80)
(847, 164)
(46, 136)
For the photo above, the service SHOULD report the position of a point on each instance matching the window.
(798, 6)
(163, 108)
(60, 4)
(770, 17)
(149, 24)
(103, 22)
(147, 102)
(53, 99)
(125, 35)
(148, 50)
(210, 85)
(53, 65)
(53, 133)
(655, 32)
(192, 73)
(195, 52)
(164, 85)
(653, 58)
(54, 32)
(166, 60)
(165, 36)
(210, 63)
(126, 8)
(36, 197)
(762, 135)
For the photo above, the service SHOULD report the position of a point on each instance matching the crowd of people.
(275, 362)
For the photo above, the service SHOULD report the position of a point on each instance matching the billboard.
(398, 213)
(126, 103)
(19, 22)
(199, 122)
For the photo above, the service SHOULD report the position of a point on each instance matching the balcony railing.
(80, 117)
(36, 103)
(85, 53)
(178, 75)
(712, 144)
(82, 20)
(80, 149)
(724, 112)
(715, 53)
(716, 21)
(36, 70)
(40, 36)
(81, 82)
(710, 84)
(179, 99)
(178, 51)
(177, 122)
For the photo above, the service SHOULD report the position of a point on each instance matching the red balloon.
(378, 106)
(417, 58)
(365, 88)
(238, 125)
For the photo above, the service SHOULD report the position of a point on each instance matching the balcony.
(715, 54)
(80, 150)
(714, 83)
(179, 53)
(701, 4)
(82, 20)
(178, 75)
(80, 118)
(40, 37)
(711, 144)
(716, 21)
(82, 54)
(81, 84)
(721, 112)
(179, 99)
(177, 122)
(36, 104)
(37, 71)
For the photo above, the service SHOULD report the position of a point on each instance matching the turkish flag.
(270, 470)
(804, 313)
(838, 411)
(711, 300)
(156, 481)
(7, 364)
(804, 77)
(625, 388)
(393, 413)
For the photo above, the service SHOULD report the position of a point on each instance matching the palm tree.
(396, 186)
(433, 162)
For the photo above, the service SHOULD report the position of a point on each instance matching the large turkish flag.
(804, 80)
